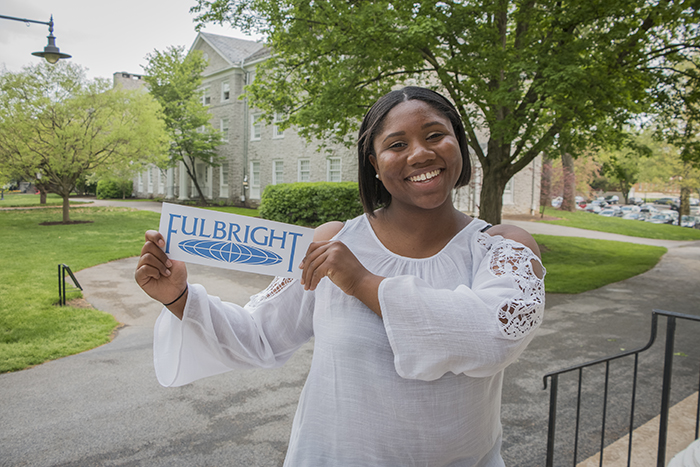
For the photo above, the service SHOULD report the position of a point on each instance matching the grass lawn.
(575, 265)
(32, 329)
(632, 228)
(23, 200)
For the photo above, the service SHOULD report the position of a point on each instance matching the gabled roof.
(233, 50)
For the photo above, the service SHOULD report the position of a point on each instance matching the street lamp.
(51, 52)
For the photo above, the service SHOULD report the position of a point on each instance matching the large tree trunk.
(491, 199)
(66, 209)
(546, 184)
(569, 178)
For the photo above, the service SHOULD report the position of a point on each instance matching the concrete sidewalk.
(104, 407)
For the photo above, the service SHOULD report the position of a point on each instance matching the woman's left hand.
(334, 260)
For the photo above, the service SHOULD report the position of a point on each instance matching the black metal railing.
(671, 318)
(62, 268)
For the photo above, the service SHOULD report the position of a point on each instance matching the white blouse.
(420, 387)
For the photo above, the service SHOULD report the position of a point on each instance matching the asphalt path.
(104, 407)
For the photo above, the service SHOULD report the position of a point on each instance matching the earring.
(376, 175)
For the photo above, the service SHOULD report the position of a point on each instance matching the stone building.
(257, 154)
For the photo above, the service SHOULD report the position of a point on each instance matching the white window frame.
(225, 91)
(277, 167)
(205, 95)
(301, 172)
(330, 171)
(255, 123)
(254, 179)
(149, 173)
(276, 132)
(508, 192)
(223, 179)
(225, 123)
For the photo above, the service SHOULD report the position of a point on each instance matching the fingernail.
(167, 272)
(168, 264)
(161, 242)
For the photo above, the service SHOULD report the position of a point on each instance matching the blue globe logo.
(229, 252)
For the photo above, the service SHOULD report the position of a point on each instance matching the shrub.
(112, 188)
(311, 204)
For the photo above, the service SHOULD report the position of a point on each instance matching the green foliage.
(57, 124)
(311, 204)
(174, 79)
(522, 74)
(622, 165)
(32, 328)
(616, 225)
(113, 188)
(576, 265)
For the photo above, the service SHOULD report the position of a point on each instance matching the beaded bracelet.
(178, 298)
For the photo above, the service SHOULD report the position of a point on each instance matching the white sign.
(230, 241)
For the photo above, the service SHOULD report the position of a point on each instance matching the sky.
(103, 36)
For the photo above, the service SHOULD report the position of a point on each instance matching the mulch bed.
(66, 223)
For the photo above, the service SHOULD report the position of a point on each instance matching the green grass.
(32, 328)
(23, 200)
(575, 265)
(616, 225)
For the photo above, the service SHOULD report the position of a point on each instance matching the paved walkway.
(104, 407)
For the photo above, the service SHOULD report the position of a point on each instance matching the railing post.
(666, 390)
(552, 419)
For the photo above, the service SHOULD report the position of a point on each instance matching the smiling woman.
(415, 307)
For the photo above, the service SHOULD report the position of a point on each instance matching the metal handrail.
(665, 396)
(62, 268)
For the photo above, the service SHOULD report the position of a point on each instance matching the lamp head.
(51, 53)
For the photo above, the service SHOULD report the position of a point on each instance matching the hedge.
(311, 204)
(110, 189)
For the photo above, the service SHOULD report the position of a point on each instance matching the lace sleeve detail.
(522, 313)
(275, 288)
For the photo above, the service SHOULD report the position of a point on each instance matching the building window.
(223, 180)
(277, 172)
(276, 131)
(255, 127)
(225, 91)
(333, 169)
(150, 179)
(205, 95)
(304, 170)
(224, 130)
(508, 197)
(255, 180)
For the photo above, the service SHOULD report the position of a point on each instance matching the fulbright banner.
(230, 241)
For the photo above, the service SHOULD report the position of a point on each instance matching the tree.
(57, 127)
(521, 71)
(174, 78)
(622, 166)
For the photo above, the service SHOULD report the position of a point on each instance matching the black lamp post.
(51, 52)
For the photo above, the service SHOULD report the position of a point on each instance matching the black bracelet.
(178, 298)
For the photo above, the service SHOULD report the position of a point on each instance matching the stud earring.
(376, 175)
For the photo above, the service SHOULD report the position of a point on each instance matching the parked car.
(635, 201)
(648, 208)
(612, 199)
(629, 208)
(631, 215)
(607, 212)
(660, 218)
(665, 201)
(689, 221)
(556, 202)
(596, 206)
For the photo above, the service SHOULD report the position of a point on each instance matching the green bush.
(311, 204)
(111, 188)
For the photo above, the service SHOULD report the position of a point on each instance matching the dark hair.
(372, 191)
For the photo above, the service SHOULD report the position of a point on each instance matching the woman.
(415, 307)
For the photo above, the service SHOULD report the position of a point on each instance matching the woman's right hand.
(160, 277)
